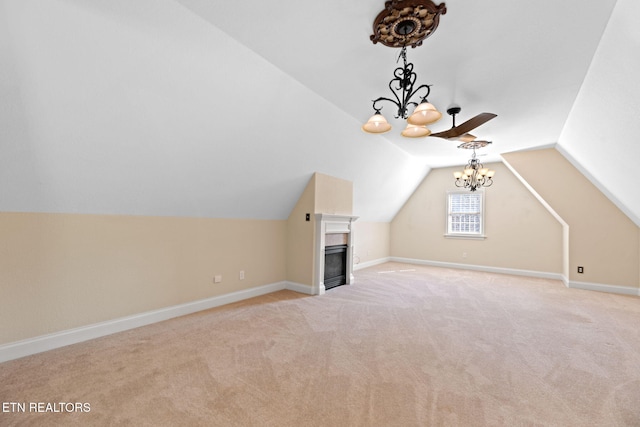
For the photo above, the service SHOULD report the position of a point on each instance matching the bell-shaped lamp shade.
(457, 175)
(468, 172)
(491, 173)
(483, 171)
(376, 124)
(413, 131)
(424, 114)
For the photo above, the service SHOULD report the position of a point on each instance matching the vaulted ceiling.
(225, 108)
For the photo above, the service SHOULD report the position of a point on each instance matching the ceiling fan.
(462, 131)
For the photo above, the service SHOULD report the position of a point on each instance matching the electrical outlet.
(307, 217)
(217, 278)
(581, 270)
(241, 274)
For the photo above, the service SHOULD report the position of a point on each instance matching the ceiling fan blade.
(465, 127)
(447, 134)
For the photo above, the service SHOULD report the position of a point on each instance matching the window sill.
(466, 236)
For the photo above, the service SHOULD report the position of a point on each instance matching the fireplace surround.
(327, 227)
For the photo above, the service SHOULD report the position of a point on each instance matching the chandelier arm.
(415, 92)
(408, 92)
(405, 79)
(406, 83)
(423, 98)
(382, 98)
(399, 102)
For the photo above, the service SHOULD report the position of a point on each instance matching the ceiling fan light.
(413, 131)
(467, 137)
(376, 124)
(424, 114)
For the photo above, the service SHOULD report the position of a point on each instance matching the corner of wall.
(301, 236)
(601, 238)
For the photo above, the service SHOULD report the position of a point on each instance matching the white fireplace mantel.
(330, 224)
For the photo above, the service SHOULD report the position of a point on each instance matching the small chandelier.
(406, 23)
(474, 175)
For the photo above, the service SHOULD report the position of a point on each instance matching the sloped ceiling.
(225, 109)
(600, 135)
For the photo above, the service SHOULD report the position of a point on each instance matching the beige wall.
(372, 241)
(301, 237)
(333, 195)
(521, 233)
(601, 238)
(60, 271)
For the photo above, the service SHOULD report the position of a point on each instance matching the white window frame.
(466, 235)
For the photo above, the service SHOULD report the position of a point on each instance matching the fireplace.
(335, 266)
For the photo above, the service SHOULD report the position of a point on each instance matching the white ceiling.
(225, 109)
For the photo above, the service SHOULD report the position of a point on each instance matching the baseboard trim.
(612, 289)
(55, 340)
(501, 270)
(368, 264)
(600, 287)
(299, 287)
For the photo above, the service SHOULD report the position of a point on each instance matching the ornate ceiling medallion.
(406, 22)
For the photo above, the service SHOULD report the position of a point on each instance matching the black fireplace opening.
(335, 266)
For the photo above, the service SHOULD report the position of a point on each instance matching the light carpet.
(404, 346)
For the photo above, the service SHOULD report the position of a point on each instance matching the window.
(465, 214)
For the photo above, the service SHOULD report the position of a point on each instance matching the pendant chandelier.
(405, 23)
(474, 175)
